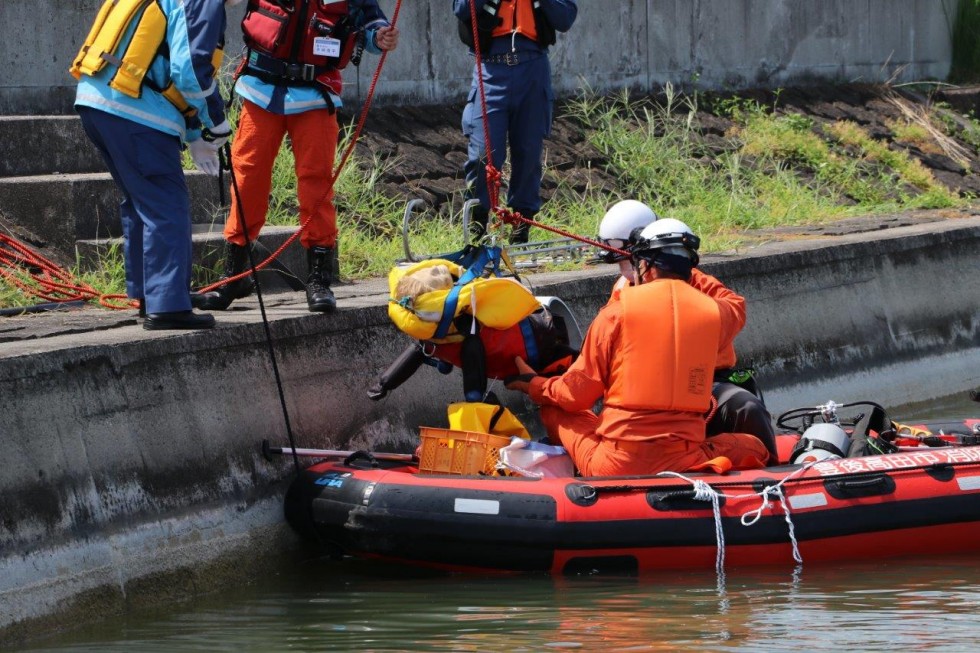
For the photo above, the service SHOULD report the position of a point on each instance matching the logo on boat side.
(897, 461)
(332, 479)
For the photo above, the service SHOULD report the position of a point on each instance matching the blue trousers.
(519, 112)
(155, 211)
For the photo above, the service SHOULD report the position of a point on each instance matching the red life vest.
(534, 339)
(668, 349)
(516, 16)
(299, 41)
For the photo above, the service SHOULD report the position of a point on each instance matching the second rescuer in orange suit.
(651, 358)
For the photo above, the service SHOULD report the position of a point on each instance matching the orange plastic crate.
(462, 453)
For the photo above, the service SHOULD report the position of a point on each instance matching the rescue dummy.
(475, 320)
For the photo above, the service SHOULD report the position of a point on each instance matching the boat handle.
(860, 482)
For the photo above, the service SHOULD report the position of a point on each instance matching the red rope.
(334, 176)
(49, 281)
(493, 175)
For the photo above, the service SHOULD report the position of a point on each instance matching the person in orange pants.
(651, 357)
(290, 82)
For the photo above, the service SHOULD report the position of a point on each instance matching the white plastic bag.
(536, 460)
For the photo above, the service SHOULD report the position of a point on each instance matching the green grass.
(771, 168)
(775, 169)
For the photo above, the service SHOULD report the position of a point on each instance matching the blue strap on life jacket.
(530, 344)
(478, 258)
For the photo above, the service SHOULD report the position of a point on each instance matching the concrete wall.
(131, 456)
(614, 44)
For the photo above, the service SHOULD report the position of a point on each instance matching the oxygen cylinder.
(821, 442)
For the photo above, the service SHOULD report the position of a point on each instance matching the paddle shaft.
(334, 453)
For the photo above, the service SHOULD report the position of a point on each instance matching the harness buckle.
(511, 59)
(305, 72)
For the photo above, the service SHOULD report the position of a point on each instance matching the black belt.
(302, 72)
(512, 58)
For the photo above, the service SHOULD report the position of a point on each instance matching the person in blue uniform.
(146, 85)
(514, 36)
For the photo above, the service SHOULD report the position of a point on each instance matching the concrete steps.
(40, 145)
(63, 208)
(55, 187)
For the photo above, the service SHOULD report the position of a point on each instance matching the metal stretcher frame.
(530, 254)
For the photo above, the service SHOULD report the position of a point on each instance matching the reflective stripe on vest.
(517, 16)
(668, 348)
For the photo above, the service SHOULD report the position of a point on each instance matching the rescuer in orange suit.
(651, 357)
(740, 405)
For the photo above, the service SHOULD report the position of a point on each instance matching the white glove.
(205, 156)
(219, 134)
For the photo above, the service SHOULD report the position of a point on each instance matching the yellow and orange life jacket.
(495, 302)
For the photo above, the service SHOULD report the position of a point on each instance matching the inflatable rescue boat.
(922, 496)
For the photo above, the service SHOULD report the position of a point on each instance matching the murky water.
(918, 603)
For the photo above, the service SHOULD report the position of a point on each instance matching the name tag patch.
(324, 46)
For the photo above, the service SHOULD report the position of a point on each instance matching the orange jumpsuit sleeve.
(587, 379)
(731, 305)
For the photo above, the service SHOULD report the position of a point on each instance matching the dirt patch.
(425, 150)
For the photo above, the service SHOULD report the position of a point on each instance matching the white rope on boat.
(789, 525)
(704, 492)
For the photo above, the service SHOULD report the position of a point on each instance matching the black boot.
(178, 320)
(522, 231)
(479, 216)
(236, 262)
(319, 297)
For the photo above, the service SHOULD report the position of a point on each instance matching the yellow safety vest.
(102, 44)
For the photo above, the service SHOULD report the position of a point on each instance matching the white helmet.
(618, 224)
(671, 237)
